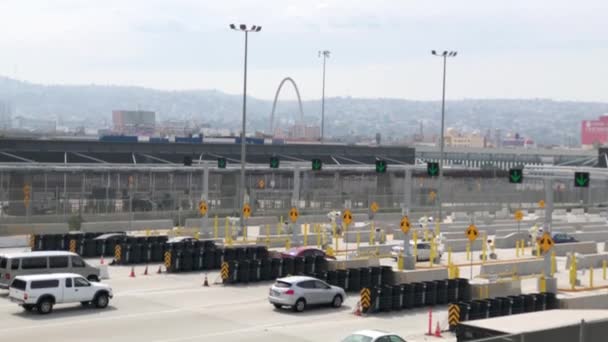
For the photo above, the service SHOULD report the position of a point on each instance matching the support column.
(551, 282)
(409, 261)
(295, 198)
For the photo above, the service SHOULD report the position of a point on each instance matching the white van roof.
(35, 277)
(37, 254)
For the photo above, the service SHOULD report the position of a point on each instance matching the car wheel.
(28, 307)
(278, 306)
(300, 305)
(101, 300)
(45, 307)
(337, 302)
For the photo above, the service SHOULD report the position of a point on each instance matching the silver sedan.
(298, 292)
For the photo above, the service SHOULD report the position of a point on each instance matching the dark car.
(304, 252)
(563, 238)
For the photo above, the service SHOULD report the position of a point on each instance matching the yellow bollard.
(543, 283)
(268, 236)
(468, 251)
(197, 235)
(553, 263)
(330, 251)
(538, 250)
(437, 229)
(400, 262)
(481, 292)
(226, 228)
(287, 244)
(281, 219)
(382, 237)
(415, 238)
(245, 233)
(590, 277)
(432, 254)
(358, 239)
(449, 255)
(280, 228)
(318, 232)
(517, 249)
(426, 235)
(604, 269)
(215, 226)
(573, 272)
(487, 291)
(456, 271)
(483, 249)
(306, 235)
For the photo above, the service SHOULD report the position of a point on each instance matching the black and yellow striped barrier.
(117, 253)
(453, 316)
(365, 299)
(167, 259)
(225, 272)
(73, 246)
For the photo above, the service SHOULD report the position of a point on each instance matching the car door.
(309, 291)
(326, 295)
(82, 290)
(70, 294)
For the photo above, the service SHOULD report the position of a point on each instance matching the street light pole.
(241, 192)
(325, 54)
(444, 55)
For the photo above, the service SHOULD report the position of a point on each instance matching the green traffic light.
(516, 176)
(380, 166)
(581, 179)
(432, 169)
(221, 163)
(274, 162)
(317, 164)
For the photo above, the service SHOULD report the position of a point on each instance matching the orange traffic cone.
(206, 282)
(358, 309)
(101, 262)
(159, 270)
(438, 331)
(132, 275)
(146, 271)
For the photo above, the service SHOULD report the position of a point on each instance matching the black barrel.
(541, 302)
(320, 264)
(309, 265)
(187, 259)
(354, 279)
(505, 305)
(262, 253)
(251, 252)
(398, 297)
(241, 253)
(342, 276)
(551, 301)
(517, 305)
(529, 302)
(364, 276)
(265, 269)
(288, 267)
(276, 268)
(233, 269)
(387, 277)
(464, 290)
(229, 254)
(442, 291)
(298, 265)
(484, 308)
(474, 310)
(157, 251)
(217, 262)
(495, 307)
(243, 271)
(209, 258)
(176, 261)
(430, 296)
(375, 276)
(198, 259)
(419, 292)
(408, 296)
(255, 270)
(321, 276)
(90, 249)
(374, 300)
(465, 311)
(332, 278)
(386, 298)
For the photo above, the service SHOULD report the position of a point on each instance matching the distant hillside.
(546, 121)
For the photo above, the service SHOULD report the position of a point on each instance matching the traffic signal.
(380, 166)
(274, 162)
(581, 179)
(317, 164)
(516, 176)
(432, 169)
(221, 163)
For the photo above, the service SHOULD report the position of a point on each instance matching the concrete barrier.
(501, 289)
(460, 245)
(591, 236)
(594, 228)
(116, 226)
(510, 240)
(524, 267)
(562, 249)
(375, 249)
(33, 228)
(586, 261)
(281, 240)
(333, 265)
(14, 241)
(412, 276)
(460, 235)
(587, 302)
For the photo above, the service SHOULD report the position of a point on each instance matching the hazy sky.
(380, 48)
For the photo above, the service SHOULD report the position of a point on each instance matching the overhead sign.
(546, 242)
(293, 214)
(381, 166)
(246, 210)
(221, 163)
(374, 207)
(347, 217)
(581, 179)
(274, 162)
(432, 169)
(516, 176)
(472, 233)
(519, 215)
(317, 164)
(541, 204)
(202, 208)
(405, 224)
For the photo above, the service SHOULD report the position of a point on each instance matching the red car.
(304, 252)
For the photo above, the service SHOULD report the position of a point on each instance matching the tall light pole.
(241, 200)
(444, 55)
(325, 55)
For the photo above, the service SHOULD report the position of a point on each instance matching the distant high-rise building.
(134, 122)
(6, 114)
(594, 131)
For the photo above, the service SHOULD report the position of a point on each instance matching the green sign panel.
(516, 176)
(581, 179)
(317, 164)
(381, 166)
(432, 169)
(221, 163)
(274, 162)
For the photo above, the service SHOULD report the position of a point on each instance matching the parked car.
(43, 291)
(43, 262)
(563, 238)
(423, 253)
(373, 336)
(305, 252)
(299, 292)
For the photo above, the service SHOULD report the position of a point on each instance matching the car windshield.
(357, 338)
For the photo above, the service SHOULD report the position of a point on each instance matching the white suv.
(43, 291)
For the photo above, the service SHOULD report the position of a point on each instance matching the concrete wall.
(333, 265)
(115, 226)
(591, 301)
(587, 261)
(460, 245)
(510, 240)
(33, 228)
(460, 235)
(281, 240)
(591, 236)
(371, 250)
(502, 289)
(14, 241)
(524, 267)
(594, 228)
(403, 277)
(562, 249)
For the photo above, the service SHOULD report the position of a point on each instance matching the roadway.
(176, 307)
